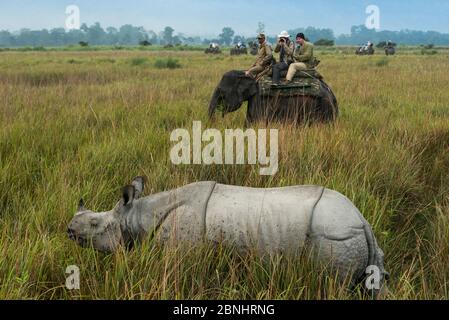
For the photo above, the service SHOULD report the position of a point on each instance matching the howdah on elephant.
(267, 221)
(307, 99)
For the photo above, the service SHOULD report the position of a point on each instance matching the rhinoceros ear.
(81, 206)
(139, 185)
(128, 193)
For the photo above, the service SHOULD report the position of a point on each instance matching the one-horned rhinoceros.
(269, 221)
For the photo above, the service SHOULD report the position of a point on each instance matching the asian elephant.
(307, 101)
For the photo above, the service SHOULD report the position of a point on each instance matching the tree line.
(132, 35)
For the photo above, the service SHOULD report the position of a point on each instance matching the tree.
(226, 36)
(325, 43)
(96, 34)
(112, 35)
(177, 40)
(6, 39)
(130, 35)
(58, 36)
(167, 35)
(84, 28)
(152, 36)
(314, 34)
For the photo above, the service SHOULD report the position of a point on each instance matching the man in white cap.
(285, 48)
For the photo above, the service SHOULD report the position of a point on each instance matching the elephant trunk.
(213, 105)
(234, 88)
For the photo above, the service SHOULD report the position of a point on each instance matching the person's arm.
(289, 49)
(305, 56)
(278, 48)
(268, 55)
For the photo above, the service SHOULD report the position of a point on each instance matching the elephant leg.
(328, 104)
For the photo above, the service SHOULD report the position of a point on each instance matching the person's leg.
(254, 71)
(285, 66)
(294, 67)
(277, 68)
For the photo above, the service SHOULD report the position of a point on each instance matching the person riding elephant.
(263, 59)
(303, 57)
(285, 47)
(240, 45)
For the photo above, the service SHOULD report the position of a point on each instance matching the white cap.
(284, 34)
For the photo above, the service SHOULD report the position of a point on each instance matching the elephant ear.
(247, 89)
(229, 93)
(253, 90)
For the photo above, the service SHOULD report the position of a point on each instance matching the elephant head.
(234, 88)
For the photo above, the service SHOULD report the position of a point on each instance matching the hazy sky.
(208, 17)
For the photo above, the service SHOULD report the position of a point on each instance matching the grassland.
(82, 124)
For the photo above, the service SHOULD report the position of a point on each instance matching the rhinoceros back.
(269, 220)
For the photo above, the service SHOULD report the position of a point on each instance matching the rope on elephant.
(320, 80)
(308, 74)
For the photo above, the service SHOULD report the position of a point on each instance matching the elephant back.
(305, 83)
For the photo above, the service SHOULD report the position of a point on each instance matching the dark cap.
(301, 35)
(261, 36)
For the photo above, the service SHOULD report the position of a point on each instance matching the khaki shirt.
(264, 55)
(304, 54)
(289, 49)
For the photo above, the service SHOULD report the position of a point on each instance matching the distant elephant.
(239, 51)
(390, 51)
(363, 51)
(213, 49)
(288, 104)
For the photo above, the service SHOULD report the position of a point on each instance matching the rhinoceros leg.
(342, 236)
(347, 257)
(338, 236)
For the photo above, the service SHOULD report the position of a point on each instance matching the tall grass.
(168, 63)
(85, 129)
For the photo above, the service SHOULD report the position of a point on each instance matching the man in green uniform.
(263, 59)
(303, 57)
